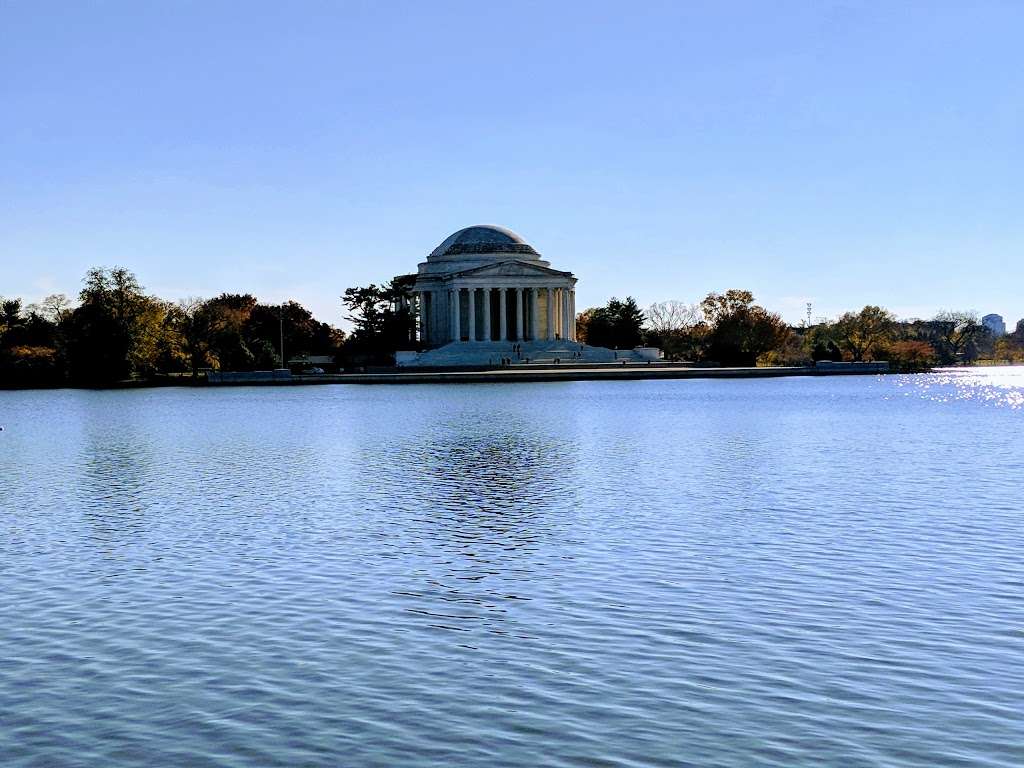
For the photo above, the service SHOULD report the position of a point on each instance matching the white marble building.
(485, 289)
(486, 283)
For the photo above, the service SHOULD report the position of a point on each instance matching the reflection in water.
(784, 572)
(114, 482)
(487, 500)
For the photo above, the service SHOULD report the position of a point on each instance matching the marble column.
(520, 324)
(534, 315)
(422, 297)
(502, 315)
(487, 314)
(456, 314)
(471, 320)
(565, 314)
(551, 313)
(572, 313)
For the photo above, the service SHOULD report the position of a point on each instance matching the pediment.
(513, 269)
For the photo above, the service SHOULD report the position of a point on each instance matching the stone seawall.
(560, 373)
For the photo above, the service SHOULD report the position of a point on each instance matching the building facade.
(486, 284)
(995, 324)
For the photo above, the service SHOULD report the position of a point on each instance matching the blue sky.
(842, 153)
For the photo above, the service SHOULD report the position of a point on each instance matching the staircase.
(477, 353)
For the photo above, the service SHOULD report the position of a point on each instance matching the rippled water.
(787, 572)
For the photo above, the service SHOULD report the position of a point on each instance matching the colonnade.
(518, 310)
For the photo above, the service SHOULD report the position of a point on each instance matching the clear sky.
(842, 153)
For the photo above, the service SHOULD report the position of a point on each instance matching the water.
(788, 572)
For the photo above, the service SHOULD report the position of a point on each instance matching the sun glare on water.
(999, 386)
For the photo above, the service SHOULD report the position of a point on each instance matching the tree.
(195, 325)
(674, 327)
(739, 331)
(820, 341)
(10, 314)
(231, 346)
(383, 321)
(303, 334)
(28, 347)
(863, 334)
(792, 352)
(1009, 349)
(668, 317)
(910, 355)
(236, 332)
(29, 366)
(55, 308)
(957, 331)
(116, 330)
(619, 324)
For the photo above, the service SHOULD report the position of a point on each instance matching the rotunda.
(487, 284)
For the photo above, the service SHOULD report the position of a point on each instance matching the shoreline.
(555, 373)
(530, 374)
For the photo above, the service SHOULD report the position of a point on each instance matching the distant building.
(995, 324)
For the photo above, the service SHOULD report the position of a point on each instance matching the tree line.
(115, 331)
(731, 329)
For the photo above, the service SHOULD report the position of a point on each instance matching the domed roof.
(483, 238)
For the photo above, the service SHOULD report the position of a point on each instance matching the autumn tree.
(1009, 349)
(863, 334)
(738, 330)
(910, 355)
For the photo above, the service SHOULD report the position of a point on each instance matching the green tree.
(303, 334)
(617, 325)
(195, 325)
(383, 321)
(116, 330)
(10, 314)
(231, 347)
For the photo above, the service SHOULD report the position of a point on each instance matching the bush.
(29, 367)
(909, 356)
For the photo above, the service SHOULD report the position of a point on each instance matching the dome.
(483, 238)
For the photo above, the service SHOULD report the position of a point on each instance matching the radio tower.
(808, 314)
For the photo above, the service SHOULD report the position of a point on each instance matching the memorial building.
(485, 289)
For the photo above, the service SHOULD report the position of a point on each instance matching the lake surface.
(783, 572)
